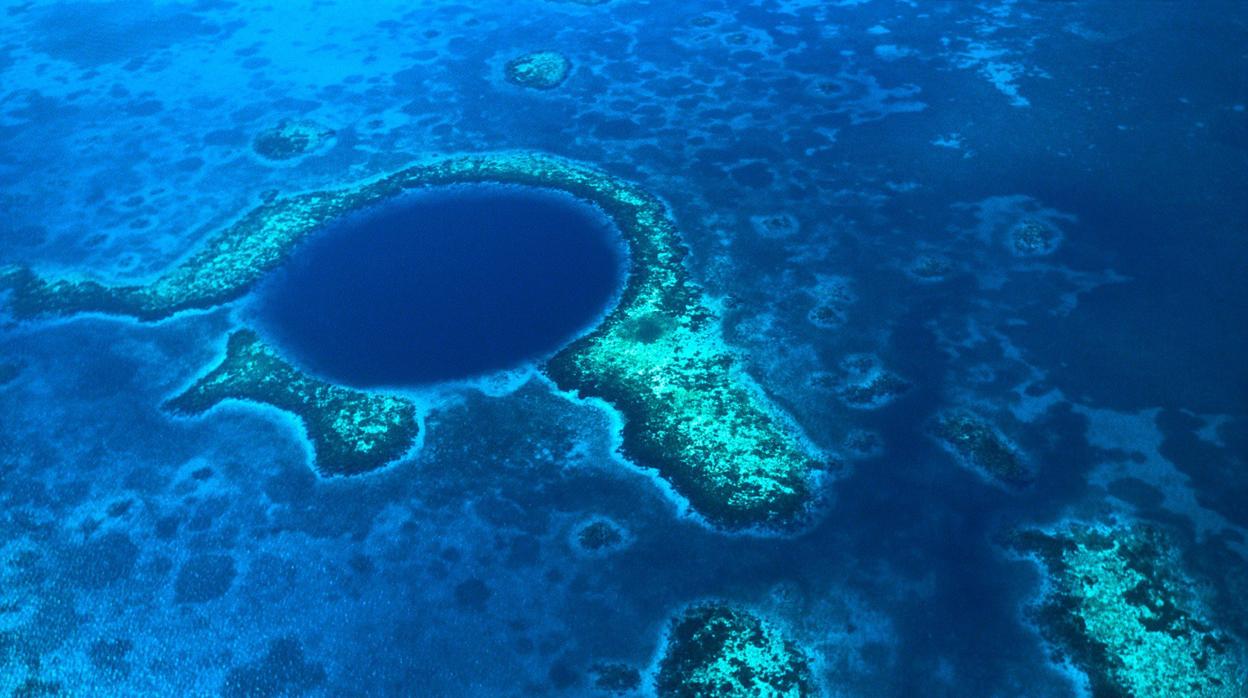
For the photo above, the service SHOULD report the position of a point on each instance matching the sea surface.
(851, 178)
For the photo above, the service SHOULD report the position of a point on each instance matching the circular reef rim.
(690, 409)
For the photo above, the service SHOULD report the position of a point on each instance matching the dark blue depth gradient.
(444, 285)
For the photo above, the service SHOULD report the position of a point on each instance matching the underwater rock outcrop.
(290, 139)
(1120, 607)
(718, 650)
(659, 357)
(351, 432)
(540, 70)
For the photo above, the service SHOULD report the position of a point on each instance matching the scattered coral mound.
(351, 432)
(290, 139)
(598, 536)
(1033, 238)
(717, 650)
(690, 409)
(1120, 607)
(540, 70)
(9, 371)
(976, 444)
(867, 384)
(776, 225)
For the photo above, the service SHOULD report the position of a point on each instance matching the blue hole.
(443, 284)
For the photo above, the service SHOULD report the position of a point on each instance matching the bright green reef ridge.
(659, 357)
(1120, 606)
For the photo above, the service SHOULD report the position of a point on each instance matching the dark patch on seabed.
(1021, 218)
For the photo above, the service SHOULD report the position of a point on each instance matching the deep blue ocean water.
(147, 554)
(443, 285)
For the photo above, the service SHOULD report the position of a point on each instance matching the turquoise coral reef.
(540, 70)
(290, 139)
(351, 432)
(717, 650)
(659, 357)
(1121, 608)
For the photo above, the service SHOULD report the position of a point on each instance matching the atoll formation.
(976, 444)
(540, 70)
(690, 410)
(1120, 607)
(718, 650)
(290, 139)
(351, 432)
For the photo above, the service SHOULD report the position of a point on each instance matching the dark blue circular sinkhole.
(443, 284)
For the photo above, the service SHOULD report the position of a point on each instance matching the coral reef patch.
(776, 225)
(1033, 238)
(540, 70)
(615, 679)
(351, 432)
(718, 650)
(833, 299)
(290, 139)
(976, 444)
(9, 371)
(1120, 607)
(598, 536)
(867, 384)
